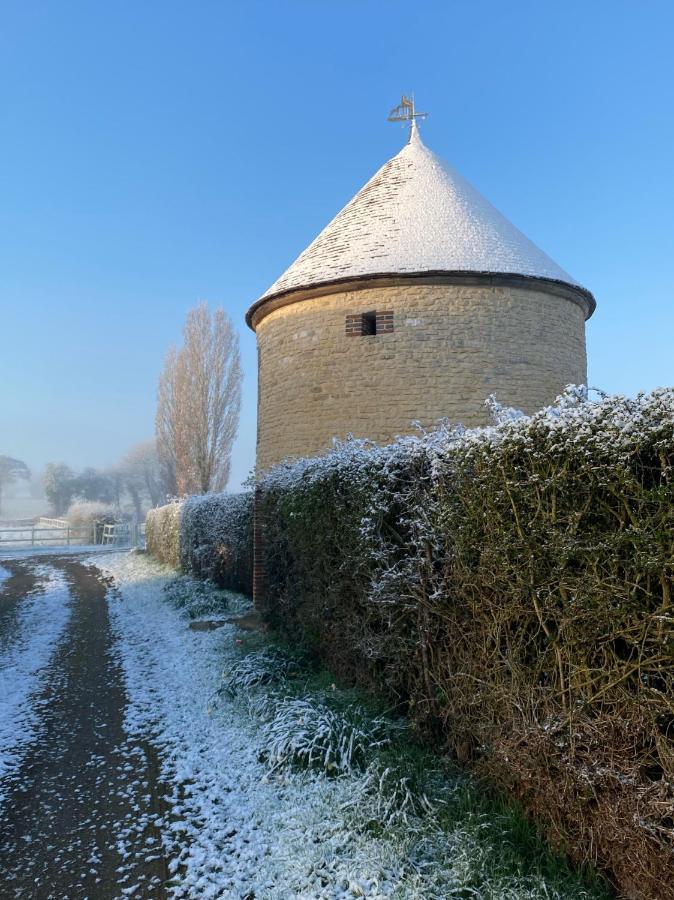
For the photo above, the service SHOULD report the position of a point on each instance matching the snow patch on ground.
(41, 621)
(232, 828)
(236, 831)
(4, 574)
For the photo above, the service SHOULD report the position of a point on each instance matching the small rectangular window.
(369, 323)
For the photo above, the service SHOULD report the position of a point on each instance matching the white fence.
(120, 534)
(44, 522)
(59, 534)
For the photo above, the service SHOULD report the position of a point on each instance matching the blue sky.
(156, 154)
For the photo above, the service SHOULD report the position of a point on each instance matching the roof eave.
(567, 289)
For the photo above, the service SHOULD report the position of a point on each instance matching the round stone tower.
(414, 304)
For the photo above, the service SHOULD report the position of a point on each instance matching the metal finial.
(405, 111)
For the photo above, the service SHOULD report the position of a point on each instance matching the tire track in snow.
(231, 831)
(80, 810)
(40, 622)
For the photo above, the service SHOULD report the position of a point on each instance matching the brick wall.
(258, 549)
(440, 351)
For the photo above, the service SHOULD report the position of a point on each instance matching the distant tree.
(94, 485)
(144, 477)
(60, 486)
(116, 485)
(37, 485)
(199, 398)
(10, 471)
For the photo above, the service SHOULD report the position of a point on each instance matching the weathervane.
(405, 111)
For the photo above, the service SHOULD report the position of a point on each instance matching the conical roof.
(418, 215)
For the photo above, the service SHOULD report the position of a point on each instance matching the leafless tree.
(166, 418)
(199, 398)
(143, 477)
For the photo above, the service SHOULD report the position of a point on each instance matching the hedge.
(208, 536)
(510, 588)
(216, 536)
(162, 533)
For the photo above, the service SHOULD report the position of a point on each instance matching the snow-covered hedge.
(209, 536)
(216, 539)
(511, 588)
(162, 533)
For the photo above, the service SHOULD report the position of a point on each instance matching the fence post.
(32, 536)
(68, 535)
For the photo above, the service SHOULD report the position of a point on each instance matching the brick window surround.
(369, 323)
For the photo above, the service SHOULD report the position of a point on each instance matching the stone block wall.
(449, 347)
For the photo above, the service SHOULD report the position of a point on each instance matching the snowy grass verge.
(395, 790)
(24, 657)
(198, 598)
(241, 825)
(308, 733)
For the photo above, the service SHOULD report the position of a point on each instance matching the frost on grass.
(270, 666)
(235, 829)
(196, 599)
(304, 733)
(390, 796)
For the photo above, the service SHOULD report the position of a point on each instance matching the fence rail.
(63, 535)
(35, 536)
(52, 523)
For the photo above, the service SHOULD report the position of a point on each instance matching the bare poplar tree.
(199, 398)
(165, 420)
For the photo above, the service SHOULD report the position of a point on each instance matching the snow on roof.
(417, 214)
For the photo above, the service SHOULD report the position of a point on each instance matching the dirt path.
(80, 817)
